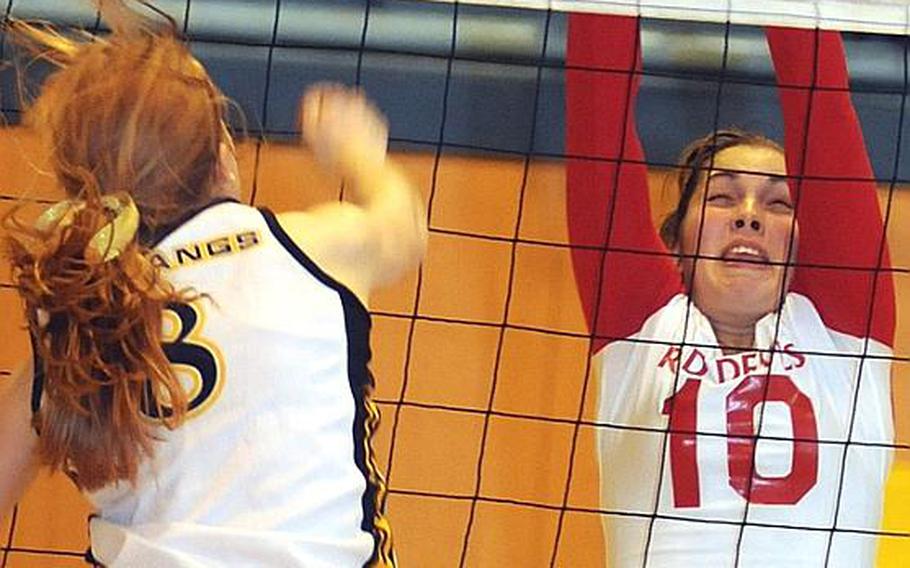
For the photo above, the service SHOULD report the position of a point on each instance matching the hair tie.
(109, 241)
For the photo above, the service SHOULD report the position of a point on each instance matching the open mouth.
(746, 255)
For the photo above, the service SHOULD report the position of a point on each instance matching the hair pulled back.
(694, 162)
(133, 113)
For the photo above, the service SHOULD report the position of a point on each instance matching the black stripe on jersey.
(37, 376)
(357, 323)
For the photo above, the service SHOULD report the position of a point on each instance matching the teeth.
(741, 249)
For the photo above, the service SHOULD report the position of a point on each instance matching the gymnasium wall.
(487, 312)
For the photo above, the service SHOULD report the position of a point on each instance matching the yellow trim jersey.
(273, 466)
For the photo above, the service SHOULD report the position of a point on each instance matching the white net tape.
(872, 16)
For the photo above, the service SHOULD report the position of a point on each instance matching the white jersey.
(690, 496)
(816, 388)
(273, 466)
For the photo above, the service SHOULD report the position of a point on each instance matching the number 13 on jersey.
(742, 423)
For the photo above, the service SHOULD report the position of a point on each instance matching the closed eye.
(720, 199)
(781, 204)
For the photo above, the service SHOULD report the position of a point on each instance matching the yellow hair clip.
(109, 241)
(113, 238)
(58, 215)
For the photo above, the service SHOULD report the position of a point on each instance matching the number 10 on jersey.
(742, 425)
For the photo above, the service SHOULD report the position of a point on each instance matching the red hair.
(132, 112)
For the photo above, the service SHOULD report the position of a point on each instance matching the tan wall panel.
(35, 560)
(454, 364)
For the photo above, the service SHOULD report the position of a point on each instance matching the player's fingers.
(332, 110)
(319, 100)
(363, 110)
(312, 107)
(323, 87)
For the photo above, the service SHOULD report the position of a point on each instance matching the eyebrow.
(773, 178)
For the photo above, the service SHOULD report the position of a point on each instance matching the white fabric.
(637, 378)
(265, 474)
(869, 16)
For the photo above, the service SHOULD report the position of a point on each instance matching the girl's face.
(743, 216)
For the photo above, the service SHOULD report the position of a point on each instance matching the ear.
(677, 253)
(227, 178)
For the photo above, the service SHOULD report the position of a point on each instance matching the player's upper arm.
(369, 244)
(843, 266)
(608, 206)
(19, 455)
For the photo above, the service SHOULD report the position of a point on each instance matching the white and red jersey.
(800, 400)
(684, 480)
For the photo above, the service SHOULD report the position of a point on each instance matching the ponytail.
(132, 111)
(93, 304)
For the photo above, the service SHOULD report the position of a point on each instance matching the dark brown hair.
(694, 161)
(131, 112)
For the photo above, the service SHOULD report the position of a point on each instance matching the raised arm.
(607, 184)
(383, 232)
(839, 218)
(19, 455)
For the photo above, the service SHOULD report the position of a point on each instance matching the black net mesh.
(493, 426)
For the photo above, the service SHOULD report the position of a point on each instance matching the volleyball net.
(491, 434)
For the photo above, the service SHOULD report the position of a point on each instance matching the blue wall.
(503, 90)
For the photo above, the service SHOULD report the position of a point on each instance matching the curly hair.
(133, 112)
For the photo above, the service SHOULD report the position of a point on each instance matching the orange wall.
(453, 345)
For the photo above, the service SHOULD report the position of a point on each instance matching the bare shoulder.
(336, 237)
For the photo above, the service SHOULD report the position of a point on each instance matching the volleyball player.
(241, 436)
(738, 322)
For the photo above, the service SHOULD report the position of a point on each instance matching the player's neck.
(734, 337)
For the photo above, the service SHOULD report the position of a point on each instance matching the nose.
(754, 224)
(747, 217)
